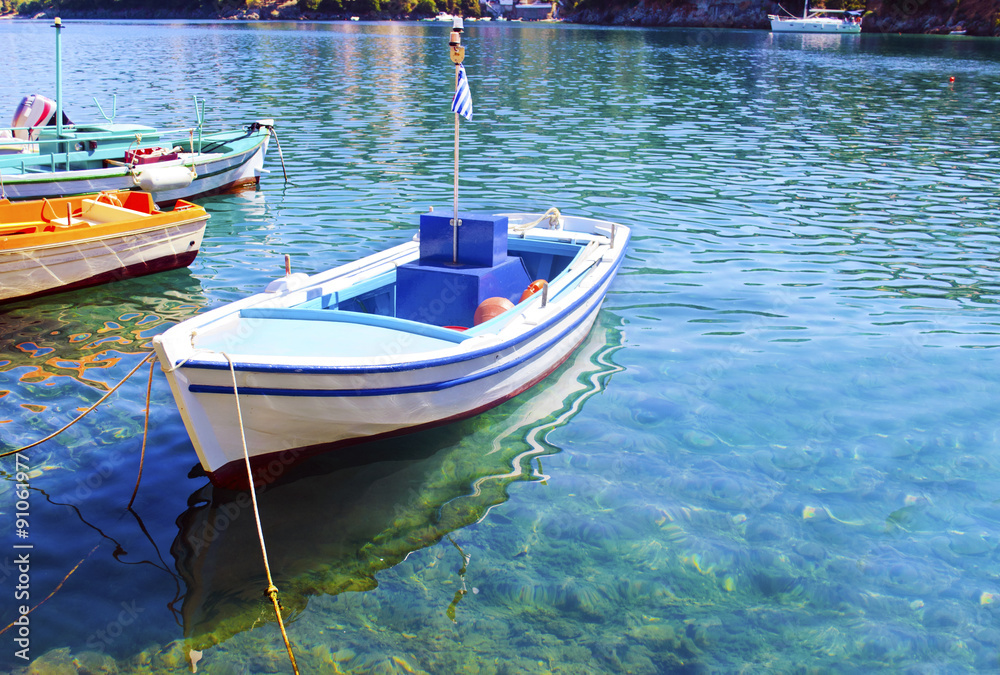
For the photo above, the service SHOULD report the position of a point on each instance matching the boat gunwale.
(160, 224)
(34, 175)
(425, 387)
(392, 257)
(460, 357)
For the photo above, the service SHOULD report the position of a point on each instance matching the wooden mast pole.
(457, 52)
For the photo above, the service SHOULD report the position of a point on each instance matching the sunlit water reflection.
(781, 451)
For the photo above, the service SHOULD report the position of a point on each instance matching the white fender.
(287, 283)
(153, 178)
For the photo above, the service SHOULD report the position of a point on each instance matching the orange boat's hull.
(54, 245)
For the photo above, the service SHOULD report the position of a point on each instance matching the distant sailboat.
(814, 21)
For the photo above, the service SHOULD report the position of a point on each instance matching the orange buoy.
(533, 288)
(491, 308)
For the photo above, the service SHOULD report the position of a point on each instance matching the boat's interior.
(427, 304)
(533, 260)
(100, 146)
(75, 213)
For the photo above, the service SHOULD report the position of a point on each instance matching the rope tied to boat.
(272, 590)
(270, 127)
(45, 202)
(138, 144)
(151, 357)
(195, 351)
(553, 216)
(145, 434)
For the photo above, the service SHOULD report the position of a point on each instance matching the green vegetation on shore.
(238, 9)
(977, 17)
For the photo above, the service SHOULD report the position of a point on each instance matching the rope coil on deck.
(553, 215)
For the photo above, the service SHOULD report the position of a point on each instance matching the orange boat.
(53, 245)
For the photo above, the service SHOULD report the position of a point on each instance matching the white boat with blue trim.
(437, 329)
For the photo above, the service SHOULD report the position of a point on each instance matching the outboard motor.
(34, 111)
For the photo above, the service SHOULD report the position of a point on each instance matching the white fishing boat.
(395, 342)
(43, 154)
(53, 245)
(471, 312)
(817, 21)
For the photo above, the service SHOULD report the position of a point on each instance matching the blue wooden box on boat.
(345, 355)
(444, 289)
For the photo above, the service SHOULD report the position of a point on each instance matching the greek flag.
(462, 103)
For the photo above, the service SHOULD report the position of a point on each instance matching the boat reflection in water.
(332, 522)
(61, 352)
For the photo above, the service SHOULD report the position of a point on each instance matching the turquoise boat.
(44, 155)
(85, 159)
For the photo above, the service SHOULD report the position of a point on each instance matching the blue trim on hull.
(395, 391)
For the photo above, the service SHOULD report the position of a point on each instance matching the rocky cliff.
(687, 13)
(977, 17)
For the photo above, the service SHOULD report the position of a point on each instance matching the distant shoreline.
(641, 15)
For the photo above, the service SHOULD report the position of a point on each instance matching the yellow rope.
(272, 591)
(555, 221)
(45, 202)
(145, 433)
(82, 415)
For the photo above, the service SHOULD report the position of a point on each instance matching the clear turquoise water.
(778, 454)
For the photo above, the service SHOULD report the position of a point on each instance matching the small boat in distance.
(53, 245)
(817, 21)
(441, 16)
(437, 329)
